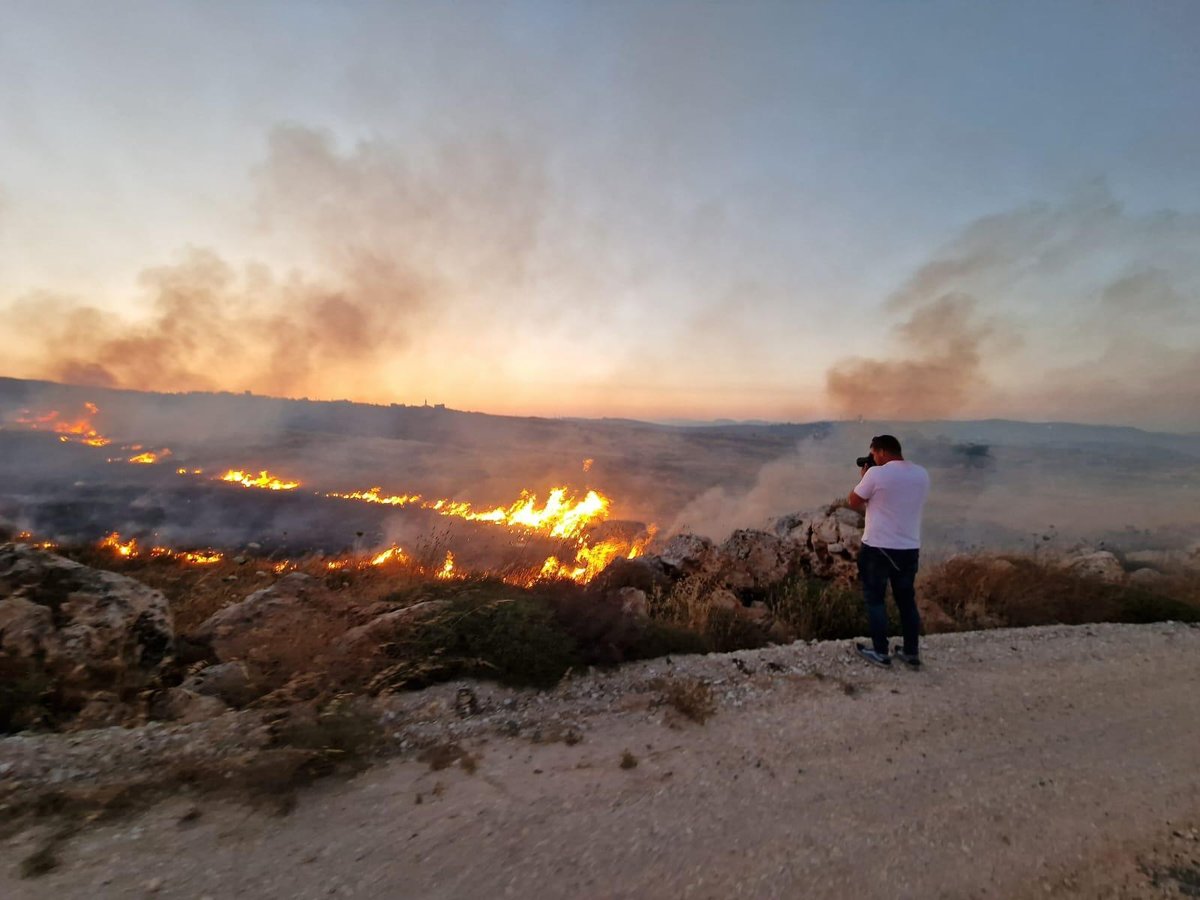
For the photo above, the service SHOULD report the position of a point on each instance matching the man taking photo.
(892, 493)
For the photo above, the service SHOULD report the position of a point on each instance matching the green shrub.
(1138, 606)
(23, 694)
(726, 630)
(516, 640)
(824, 610)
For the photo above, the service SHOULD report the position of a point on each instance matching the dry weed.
(443, 755)
(1016, 591)
(692, 698)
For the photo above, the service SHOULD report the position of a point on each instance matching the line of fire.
(563, 534)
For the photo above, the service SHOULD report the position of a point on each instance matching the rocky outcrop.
(228, 682)
(297, 608)
(184, 707)
(749, 567)
(94, 638)
(689, 554)
(384, 626)
(1098, 564)
(646, 573)
(754, 561)
(825, 542)
(634, 603)
(295, 625)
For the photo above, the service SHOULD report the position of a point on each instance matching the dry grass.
(533, 636)
(443, 755)
(690, 697)
(817, 610)
(687, 605)
(1015, 591)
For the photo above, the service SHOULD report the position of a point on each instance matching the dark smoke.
(940, 370)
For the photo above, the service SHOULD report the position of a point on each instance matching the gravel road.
(1038, 762)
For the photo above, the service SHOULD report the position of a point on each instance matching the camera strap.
(889, 559)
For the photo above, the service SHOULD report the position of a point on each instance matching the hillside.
(996, 484)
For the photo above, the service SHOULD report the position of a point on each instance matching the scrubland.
(317, 705)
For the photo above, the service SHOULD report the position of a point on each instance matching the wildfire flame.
(129, 549)
(590, 560)
(374, 495)
(26, 537)
(149, 457)
(392, 554)
(561, 515)
(122, 548)
(264, 480)
(78, 430)
(201, 559)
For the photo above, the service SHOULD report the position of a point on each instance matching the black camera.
(867, 461)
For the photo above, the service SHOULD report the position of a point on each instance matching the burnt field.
(997, 485)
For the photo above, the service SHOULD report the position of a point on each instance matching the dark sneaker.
(875, 659)
(913, 661)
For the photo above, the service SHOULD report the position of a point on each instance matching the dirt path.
(1052, 761)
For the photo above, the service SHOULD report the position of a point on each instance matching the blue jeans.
(876, 567)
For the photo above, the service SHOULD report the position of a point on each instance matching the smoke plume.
(391, 245)
(1080, 311)
(941, 368)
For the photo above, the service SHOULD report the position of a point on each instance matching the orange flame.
(392, 554)
(202, 559)
(590, 560)
(122, 548)
(149, 457)
(26, 537)
(129, 549)
(78, 431)
(561, 515)
(447, 570)
(374, 495)
(264, 480)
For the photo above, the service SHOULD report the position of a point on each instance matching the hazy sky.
(778, 210)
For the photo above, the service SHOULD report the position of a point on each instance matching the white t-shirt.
(896, 493)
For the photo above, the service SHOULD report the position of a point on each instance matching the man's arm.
(857, 501)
